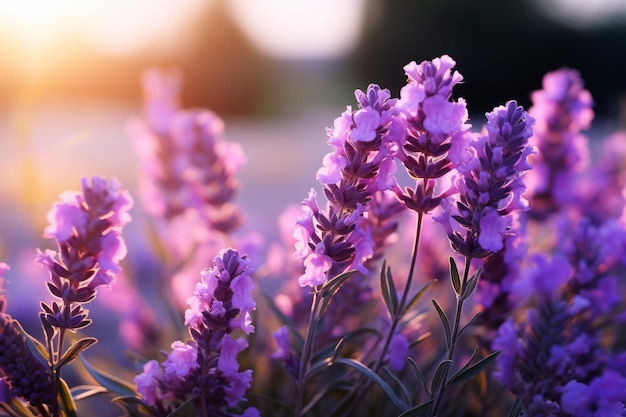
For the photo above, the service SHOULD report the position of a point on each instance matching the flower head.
(207, 366)
(25, 375)
(87, 227)
(490, 184)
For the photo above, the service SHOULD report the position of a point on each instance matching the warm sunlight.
(114, 26)
(305, 29)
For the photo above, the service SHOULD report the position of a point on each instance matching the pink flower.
(492, 229)
(316, 266)
(366, 121)
(398, 351)
(180, 361)
(227, 361)
(64, 216)
(442, 116)
(146, 382)
(330, 172)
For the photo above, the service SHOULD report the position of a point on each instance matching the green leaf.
(440, 375)
(445, 322)
(467, 373)
(132, 405)
(186, 409)
(418, 410)
(18, 408)
(454, 277)
(353, 363)
(417, 296)
(113, 384)
(403, 388)
(73, 351)
(66, 400)
(419, 374)
(82, 392)
(469, 323)
(36, 347)
(470, 285)
(388, 290)
(330, 288)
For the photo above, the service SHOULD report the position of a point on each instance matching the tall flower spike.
(25, 375)
(562, 109)
(435, 129)
(499, 273)
(187, 180)
(207, 367)
(186, 164)
(490, 186)
(87, 228)
(364, 142)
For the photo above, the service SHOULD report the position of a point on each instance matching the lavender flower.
(560, 352)
(87, 228)
(25, 375)
(21, 373)
(435, 129)
(186, 164)
(562, 109)
(596, 254)
(490, 186)
(187, 180)
(602, 397)
(207, 367)
(605, 181)
(364, 143)
(499, 274)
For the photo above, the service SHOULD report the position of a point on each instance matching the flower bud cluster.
(186, 164)
(561, 110)
(435, 129)
(207, 366)
(87, 227)
(490, 185)
(24, 374)
(364, 142)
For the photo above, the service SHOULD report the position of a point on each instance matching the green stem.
(405, 294)
(455, 334)
(305, 357)
(395, 320)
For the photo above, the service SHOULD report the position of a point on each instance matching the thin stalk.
(405, 294)
(455, 334)
(56, 374)
(305, 357)
(395, 320)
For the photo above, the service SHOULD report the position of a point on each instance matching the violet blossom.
(188, 180)
(490, 185)
(561, 110)
(206, 367)
(361, 164)
(87, 227)
(21, 373)
(435, 129)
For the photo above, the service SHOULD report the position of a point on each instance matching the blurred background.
(277, 71)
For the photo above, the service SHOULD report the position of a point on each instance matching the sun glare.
(113, 26)
(300, 29)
